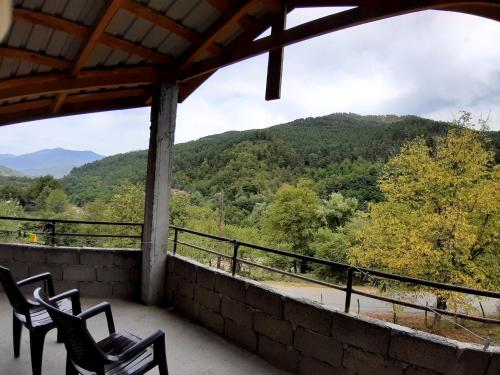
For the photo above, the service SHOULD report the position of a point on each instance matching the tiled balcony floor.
(191, 349)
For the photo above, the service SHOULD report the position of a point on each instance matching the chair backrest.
(80, 345)
(16, 298)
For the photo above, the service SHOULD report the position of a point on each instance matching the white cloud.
(431, 64)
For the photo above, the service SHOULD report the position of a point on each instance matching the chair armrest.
(74, 294)
(45, 277)
(156, 339)
(98, 309)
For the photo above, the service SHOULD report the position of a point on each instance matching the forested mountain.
(339, 152)
(4, 171)
(56, 162)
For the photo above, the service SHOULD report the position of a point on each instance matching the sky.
(431, 64)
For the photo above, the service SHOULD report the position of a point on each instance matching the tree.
(338, 210)
(294, 217)
(57, 201)
(440, 220)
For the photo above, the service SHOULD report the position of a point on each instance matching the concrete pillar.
(158, 182)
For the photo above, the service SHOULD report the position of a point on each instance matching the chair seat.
(116, 344)
(40, 316)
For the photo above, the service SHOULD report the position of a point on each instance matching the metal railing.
(351, 271)
(49, 229)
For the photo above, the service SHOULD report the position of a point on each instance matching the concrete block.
(170, 263)
(472, 361)
(207, 298)
(79, 273)
(112, 273)
(128, 259)
(311, 366)
(265, 300)
(95, 289)
(185, 269)
(63, 286)
(423, 350)
(212, 320)
(55, 270)
(277, 330)
(419, 371)
(186, 305)
(308, 315)
(323, 348)
(127, 290)
(6, 252)
(368, 335)
(97, 258)
(185, 288)
(30, 255)
(230, 287)
(237, 312)
(135, 274)
(242, 336)
(366, 363)
(280, 355)
(205, 278)
(494, 366)
(19, 270)
(63, 257)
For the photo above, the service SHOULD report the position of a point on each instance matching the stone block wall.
(100, 273)
(302, 337)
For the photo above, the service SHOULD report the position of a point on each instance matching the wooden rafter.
(89, 44)
(70, 108)
(251, 33)
(35, 58)
(77, 98)
(165, 22)
(18, 88)
(339, 21)
(275, 61)
(228, 20)
(83, 32)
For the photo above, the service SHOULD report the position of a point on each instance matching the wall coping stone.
(82, 249)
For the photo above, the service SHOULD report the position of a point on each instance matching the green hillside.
(7, 172)
(339, 152)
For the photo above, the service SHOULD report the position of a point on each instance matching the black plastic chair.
(33, 316)
(121, 353)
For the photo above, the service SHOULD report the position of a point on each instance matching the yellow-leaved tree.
(440, 218)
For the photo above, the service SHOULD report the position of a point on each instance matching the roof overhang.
(63, 58)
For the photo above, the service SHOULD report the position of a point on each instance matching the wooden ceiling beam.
(84, 32)
(77, 98)
(56, 83)
(89, 44)
(186, 89)
(73, 108)
(35, 58)
(275, 60)
(53, 22)
(228, 20)
(335, 22)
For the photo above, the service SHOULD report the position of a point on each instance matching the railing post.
(53, 233)
(236, 246)
(175, 240)
(348, 292)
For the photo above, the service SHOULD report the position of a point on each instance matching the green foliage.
(57, 201)
(441, 218)
(294, 216)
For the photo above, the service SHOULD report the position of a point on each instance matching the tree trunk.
(441, 304)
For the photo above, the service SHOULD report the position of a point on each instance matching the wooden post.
(158, 182)
(275, 61)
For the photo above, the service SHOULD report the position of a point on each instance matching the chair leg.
(17, 329)
(70, 369)
(37, 338)
(161, 356)
(162, 366)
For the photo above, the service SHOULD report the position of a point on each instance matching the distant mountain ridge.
(57, 162)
